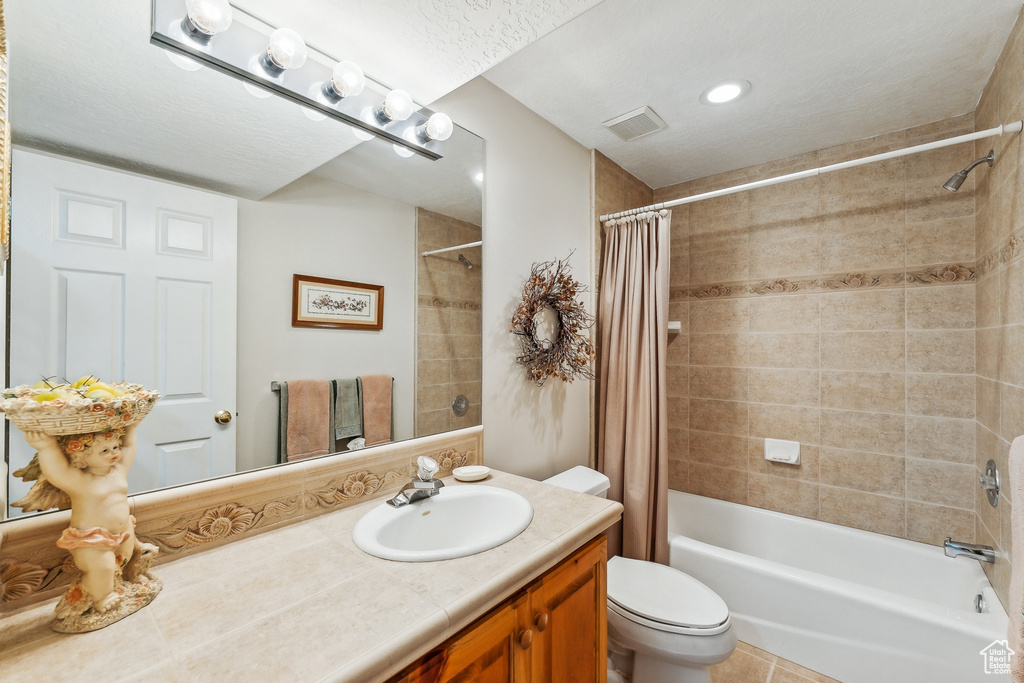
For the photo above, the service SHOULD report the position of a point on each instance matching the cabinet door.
(568, 619)
(482, 653)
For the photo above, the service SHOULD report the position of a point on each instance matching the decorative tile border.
(1003, 254)
(192, 518)
(439, 302)
(945, 274)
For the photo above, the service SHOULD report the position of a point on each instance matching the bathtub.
(856, 606)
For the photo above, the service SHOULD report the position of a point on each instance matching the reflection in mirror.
(160, 216)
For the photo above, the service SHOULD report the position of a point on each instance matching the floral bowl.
(72, 412)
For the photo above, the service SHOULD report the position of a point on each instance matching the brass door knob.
(541, 622)
(526, 639)
(222, 417)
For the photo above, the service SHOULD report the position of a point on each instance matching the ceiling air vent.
(636, 124)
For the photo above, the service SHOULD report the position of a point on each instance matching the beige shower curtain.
(632, 447)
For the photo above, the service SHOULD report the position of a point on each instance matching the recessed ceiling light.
(726, 91)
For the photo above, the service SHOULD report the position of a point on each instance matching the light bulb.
(286, 50)
(724, 93)
(347, 80)
(402, 151)
(397, 106)
(208, 17)
(438, 127)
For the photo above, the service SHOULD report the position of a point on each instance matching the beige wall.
(448, 299)
(314, 227)
(1000, 299)
(537, 207)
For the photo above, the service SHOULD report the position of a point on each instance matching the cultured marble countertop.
(302, 603)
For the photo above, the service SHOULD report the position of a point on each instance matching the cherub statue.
(92, 470)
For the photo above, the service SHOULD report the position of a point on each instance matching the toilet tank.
(582, 479)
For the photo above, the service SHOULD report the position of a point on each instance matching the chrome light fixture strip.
(236, 53)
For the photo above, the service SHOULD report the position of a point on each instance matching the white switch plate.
(779, 450)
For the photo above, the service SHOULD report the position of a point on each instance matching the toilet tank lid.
(582, 479)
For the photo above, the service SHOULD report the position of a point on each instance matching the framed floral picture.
(320, 302)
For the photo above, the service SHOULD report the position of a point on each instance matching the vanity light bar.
(236, 52)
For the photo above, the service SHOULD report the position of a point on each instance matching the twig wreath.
(568, 357)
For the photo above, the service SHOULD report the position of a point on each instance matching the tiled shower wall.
(837, 311)
(448, 324)
(1000, 300)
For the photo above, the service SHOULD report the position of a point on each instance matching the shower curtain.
(632, 429)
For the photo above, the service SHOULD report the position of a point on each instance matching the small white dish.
(471, 472)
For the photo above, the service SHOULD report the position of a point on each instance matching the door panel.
(568, 615)
(127, 277)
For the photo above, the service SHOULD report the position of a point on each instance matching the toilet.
(671, 625)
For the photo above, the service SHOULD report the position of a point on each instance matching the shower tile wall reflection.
(448, 324)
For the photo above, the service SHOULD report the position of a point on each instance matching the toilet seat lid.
(663, 594)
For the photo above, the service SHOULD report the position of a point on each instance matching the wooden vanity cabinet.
(553, 630)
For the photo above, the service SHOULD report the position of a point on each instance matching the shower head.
(463, 259)
(954, 183)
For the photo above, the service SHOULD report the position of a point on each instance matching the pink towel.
(376, 408)
(1017, 559)
(309, 414)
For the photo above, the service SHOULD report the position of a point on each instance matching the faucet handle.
(427, 467)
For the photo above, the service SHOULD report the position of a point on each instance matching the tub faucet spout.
(981, 553)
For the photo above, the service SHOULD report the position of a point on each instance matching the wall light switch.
(778, 450)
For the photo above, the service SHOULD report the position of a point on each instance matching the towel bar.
(275, 385)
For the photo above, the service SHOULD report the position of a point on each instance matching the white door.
(126, 277)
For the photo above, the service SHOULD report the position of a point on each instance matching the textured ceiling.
(823, 73)
(448, 186)
(86, 82)
(426, 47)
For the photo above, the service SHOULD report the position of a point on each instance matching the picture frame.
(337, 304)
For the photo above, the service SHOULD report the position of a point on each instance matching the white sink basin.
(458, 521)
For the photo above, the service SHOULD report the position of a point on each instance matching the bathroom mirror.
(104, 123)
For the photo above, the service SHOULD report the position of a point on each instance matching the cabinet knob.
(541, 622)
(526, 639)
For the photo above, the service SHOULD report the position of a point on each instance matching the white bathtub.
(857, 606)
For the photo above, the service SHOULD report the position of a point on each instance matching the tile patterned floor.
(748, 664)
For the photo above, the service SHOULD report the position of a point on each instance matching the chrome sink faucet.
(423, 485)
(981, 553)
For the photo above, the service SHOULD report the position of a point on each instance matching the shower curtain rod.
(1013, 127)
(458, 246)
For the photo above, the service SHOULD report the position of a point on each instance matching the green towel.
(348, 409)
(282, 455)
